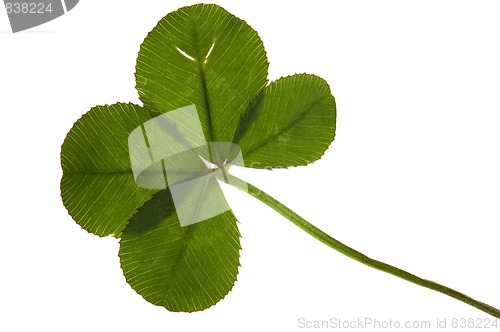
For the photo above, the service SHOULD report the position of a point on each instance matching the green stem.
(354, 254)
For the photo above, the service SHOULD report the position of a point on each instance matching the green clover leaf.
(199, 55)
(205, 56)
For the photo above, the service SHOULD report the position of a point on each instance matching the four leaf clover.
(204, 56)
(126, 175)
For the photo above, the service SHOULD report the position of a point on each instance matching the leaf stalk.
(354, 254)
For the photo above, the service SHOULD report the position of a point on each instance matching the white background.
(411, 179)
